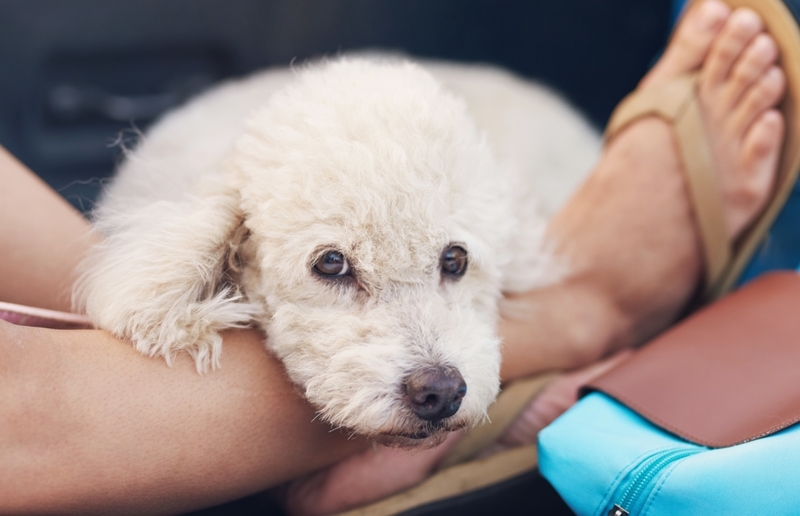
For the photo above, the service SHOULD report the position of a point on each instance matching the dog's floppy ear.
(166, 276)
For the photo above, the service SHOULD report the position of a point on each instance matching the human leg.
(638, 186)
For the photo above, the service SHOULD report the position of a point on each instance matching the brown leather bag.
(727, 375)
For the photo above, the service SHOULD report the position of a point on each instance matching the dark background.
(76, 76)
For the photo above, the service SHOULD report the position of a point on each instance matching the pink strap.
(42, 318)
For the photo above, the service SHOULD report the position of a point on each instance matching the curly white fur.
(216, 218)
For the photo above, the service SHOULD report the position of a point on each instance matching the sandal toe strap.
(676, 102)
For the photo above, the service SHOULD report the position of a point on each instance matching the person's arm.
(87, 424)
(90, 425)
(42, 239)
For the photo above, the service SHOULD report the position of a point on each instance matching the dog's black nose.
(435, 393)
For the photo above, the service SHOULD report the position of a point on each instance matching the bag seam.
(606, 500)
(657, 490)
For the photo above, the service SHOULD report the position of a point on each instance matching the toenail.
(746, 19)
(772, 117)
(772, 83)
(764, 44)
(712, 12)
(776, 75)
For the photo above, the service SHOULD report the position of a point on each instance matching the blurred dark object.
(261, 504)
(81, 76)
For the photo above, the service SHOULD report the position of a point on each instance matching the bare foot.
(739, 87)
(633, 213)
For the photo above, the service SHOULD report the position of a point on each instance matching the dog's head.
(378, 225)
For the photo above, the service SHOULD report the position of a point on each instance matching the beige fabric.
(676, 102)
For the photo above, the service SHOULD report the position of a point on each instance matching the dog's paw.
(167, 278)
(194, 328)
(163, 318)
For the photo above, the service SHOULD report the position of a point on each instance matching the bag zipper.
(649, 471)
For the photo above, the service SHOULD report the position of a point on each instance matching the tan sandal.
(676, 102)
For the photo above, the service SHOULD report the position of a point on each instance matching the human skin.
(88, 425)
(42, 239)
(628, 233)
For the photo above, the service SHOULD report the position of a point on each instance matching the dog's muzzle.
(435, 393)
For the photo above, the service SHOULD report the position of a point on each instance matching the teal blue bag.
(701, 421)
(604, 459)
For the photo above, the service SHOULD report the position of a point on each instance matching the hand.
(363, 478)
(380, 472)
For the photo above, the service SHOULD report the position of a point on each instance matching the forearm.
(89, 425)
(41, 239)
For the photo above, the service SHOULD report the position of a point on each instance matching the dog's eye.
(332, 263)
(454, 261)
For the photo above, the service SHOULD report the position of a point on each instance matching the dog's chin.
(419, 436)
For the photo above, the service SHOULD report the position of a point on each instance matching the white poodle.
(365, 212)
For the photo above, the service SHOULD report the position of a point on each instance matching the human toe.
(754, 62)
(764, 94)
(691, 42)
(760, 154)
(764, 136)
(741, 27)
